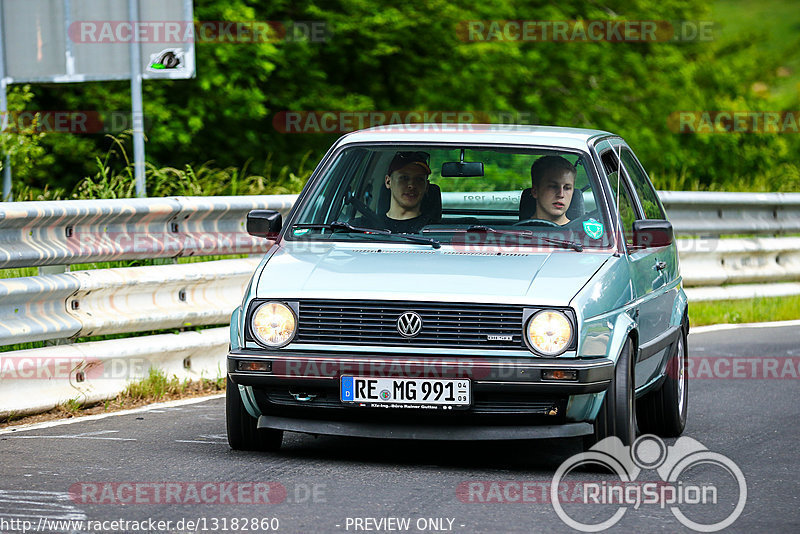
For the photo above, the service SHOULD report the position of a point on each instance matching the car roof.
(505, 134)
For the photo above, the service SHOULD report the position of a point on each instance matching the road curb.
(95, 417)
(731, 326)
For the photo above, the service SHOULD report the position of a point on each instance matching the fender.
(236, 329)
(586, 407)
(246, 392)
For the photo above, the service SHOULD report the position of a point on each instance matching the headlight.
(273, 324)
(549, 332)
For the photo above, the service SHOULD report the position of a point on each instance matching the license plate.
(422, 393)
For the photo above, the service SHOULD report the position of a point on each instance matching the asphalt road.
(744, 405)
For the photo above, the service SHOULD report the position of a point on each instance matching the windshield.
(456, 196)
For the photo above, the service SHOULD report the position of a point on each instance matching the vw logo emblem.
(409, 324)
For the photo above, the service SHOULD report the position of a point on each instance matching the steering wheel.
(362, 208)
(536, 222)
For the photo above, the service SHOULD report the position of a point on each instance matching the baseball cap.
(401, 159)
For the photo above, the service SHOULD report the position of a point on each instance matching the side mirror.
(461, 169)
(264, 223)
(652, 233)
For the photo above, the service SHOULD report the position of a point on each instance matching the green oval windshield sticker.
(301, 231)
(593, 228)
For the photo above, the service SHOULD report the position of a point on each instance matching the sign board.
(53, 41)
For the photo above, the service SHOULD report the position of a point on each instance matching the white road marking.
(218, 437)
(73, 436)
(149, 408)
(718, 327)
(58, 505)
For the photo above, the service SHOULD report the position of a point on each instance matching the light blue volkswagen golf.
(464, 282)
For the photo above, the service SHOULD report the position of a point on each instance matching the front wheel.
(243, 431)
(663, 412)
(617, 416)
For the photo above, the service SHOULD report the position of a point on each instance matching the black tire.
(243, 431)
(663, 411)
(617, 416)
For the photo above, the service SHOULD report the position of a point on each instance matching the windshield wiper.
(561, 242)
(522, 233)
(341, 225)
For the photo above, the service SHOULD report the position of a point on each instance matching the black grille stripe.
(445, 324)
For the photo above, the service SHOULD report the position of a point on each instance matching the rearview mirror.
(652, 233)
(462, 169)
(264, 223)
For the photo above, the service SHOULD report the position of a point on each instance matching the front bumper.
(422, 431)
(300, 392)
(490, 374)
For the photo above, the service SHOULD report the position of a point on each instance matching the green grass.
(156, 386)
(744, 311)
(72, 406)
(19, 273)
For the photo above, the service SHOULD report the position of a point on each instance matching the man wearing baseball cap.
(407, 180)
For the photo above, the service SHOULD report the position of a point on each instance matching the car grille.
(483, 402)
(444, 324)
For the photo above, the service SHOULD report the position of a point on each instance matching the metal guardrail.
(82, 231)
(109, 301)
(713, 213)
(706, 262)
(36, 380)
(124, 300)
(691, 213)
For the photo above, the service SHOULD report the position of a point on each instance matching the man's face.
(553, 195)
(408, 185)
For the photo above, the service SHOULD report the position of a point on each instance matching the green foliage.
(71, 406)
(115, 178)
(155, 386)
(414, 56)
(21, 140)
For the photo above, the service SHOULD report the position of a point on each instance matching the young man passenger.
(407, 182)
(552, 185)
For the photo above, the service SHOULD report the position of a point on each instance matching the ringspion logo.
(694, 503)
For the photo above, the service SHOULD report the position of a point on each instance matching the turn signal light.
(559, 374)
(245, 365)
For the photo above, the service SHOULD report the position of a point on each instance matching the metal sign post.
(137, 109)
(7, 193)
(75, 41)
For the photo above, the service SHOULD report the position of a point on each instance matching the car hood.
(390, 271)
